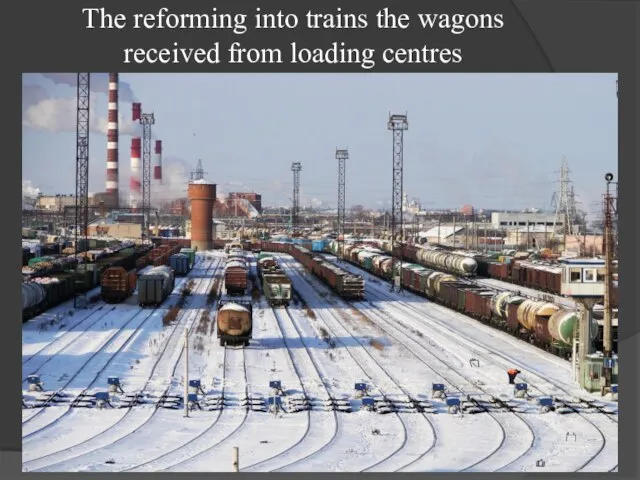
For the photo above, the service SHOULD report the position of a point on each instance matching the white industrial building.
(512, 220)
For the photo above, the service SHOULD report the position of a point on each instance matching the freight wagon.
(235, 276)
(277, 289)
(234, 323)
(180, 264)
(116, 284)
(33, 299)
(155, 286)
(542, 276)
(458, 263)
(347, 285)
(543, 324)
(233, 246)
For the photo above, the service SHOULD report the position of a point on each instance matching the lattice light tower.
(563, 203)
(147, 120)
(296, 167)
(397, 124)
(342, 157)
(199, 172)
(82, 167)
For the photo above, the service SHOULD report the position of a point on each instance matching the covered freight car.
(180, 263)
(277, 288)
(116, 284)
(234, 323)
(235, 277)
(155, 285)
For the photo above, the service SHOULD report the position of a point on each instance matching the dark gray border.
(547, 35)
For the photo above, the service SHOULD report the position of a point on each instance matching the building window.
(575, 275)
(589, 275)
(600, 275)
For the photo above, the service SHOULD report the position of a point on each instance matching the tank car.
(234, 323)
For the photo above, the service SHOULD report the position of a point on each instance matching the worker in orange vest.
(513, 373)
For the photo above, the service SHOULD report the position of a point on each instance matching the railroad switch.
(438, 390)
(35, 385)
(102, 400)
(196, 386)
(276, 388)
(114, 385)
(361, 390)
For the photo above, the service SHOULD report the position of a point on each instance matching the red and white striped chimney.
(157, 162)
(136, 177)
(136, 111)
(112, 140)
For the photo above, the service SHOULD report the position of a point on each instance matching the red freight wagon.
(554, 283)
(541, 331)
(406, 276)
(416, 279)
(410, 253)
(498, 270)
(486, 297)
(512, 316)
(116, 284)
(235, 278)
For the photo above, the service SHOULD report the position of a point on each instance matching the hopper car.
(234, 323)
(545, 325)
(347, 285)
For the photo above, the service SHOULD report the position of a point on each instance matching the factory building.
(512, 220)
(254, 199)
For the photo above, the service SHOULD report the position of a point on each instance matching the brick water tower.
(202, 196)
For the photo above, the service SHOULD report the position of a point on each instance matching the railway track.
(102, 364)
(506, 362)
(235, 373)
(288, 330)
(383, 376)
(187, 318)
(469, 387)
(73, 327)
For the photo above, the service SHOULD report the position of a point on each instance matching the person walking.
(513, 373)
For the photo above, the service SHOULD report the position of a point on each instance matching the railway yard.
(304, 362)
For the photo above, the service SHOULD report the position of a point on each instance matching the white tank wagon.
(234, 323)
(155, 285)
(462, 265)
(33, 298)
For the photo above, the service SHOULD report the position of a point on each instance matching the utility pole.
(82, 167)
(608, 238)
(341, 156)
(397, 124)
(146, 120)
(296, 167)
(186, 372)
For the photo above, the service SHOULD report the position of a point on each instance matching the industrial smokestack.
(112, 186)
(136, 177)
(157, 162)
(136, 111)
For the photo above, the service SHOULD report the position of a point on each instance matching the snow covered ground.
(318, 348)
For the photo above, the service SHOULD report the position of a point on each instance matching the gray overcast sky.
(493, 141)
